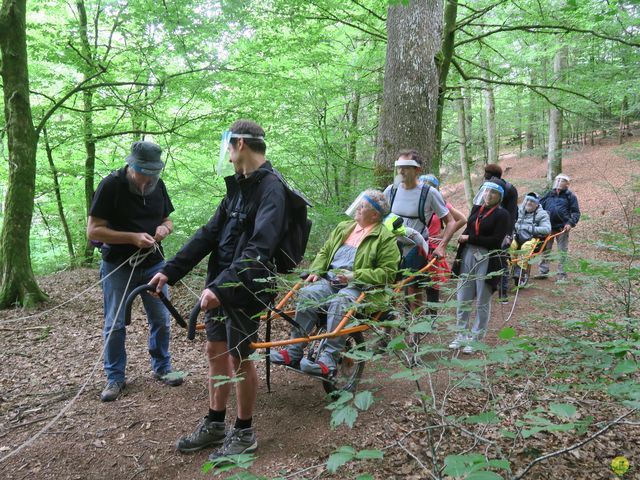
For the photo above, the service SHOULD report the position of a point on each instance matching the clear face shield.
(142, 182)
(530, 202)
(561, 182)
(489, 195)
(225, 167)
(364, 201)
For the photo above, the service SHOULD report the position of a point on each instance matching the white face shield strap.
(406, 162)
(224, 146)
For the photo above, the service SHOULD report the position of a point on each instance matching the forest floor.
(46, 358)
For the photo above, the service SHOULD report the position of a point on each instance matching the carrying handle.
(150, 288)
(193, 321)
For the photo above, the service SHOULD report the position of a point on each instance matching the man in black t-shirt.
(129, 216)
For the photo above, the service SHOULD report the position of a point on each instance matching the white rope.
(33, 438)
(66, 302)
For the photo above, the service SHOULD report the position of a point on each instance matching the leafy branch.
(553, 29)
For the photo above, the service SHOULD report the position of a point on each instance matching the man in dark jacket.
(240, 239)
(510, 204)
(564, 212)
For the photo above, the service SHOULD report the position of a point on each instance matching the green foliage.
(473, 467)
(345, 454)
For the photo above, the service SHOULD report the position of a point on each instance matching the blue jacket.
(562, 208)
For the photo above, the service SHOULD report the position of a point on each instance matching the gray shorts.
(237, 327)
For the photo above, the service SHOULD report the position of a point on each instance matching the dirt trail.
(45, 360)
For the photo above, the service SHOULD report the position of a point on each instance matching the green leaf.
(483, 475)
(338, 458)
(563, 410)
(507, 434)
(422, 327)
(507, 333)
(363, 400)
(369, 454)
(366, 476)
(346, 415)
(625, 366)
(485, 417)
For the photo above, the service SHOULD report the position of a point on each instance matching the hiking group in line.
(400, 229)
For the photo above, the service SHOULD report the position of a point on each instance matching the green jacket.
(376, 261)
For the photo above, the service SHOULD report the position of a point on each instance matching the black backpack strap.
(424, 192)
(393, 192)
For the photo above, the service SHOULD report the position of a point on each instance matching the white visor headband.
(404, 162)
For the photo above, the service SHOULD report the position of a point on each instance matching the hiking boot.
(172, 379)
(458, 341)
(542, 276)
(289, 356)
(237, 442)
(503, 299)
(206, 434)
(112, 391)
(324, 366)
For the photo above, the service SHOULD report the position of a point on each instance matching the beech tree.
(410, 90)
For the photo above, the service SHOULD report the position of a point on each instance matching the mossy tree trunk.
(17, 282)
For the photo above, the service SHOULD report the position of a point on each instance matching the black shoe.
(172, 379)
(541, 276)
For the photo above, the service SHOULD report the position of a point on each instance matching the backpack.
(291, 250)
(424, 192)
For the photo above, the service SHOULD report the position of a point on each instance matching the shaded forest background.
(526, 76)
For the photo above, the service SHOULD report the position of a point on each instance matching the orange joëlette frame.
(339, 330)
(533, 253)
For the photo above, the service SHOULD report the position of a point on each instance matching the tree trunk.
(87, 121)
(554, 153)
(56, 189)
(410, 91)
(443, 61)
(468, 116)
(490, 110)
(17, 282)
(464, 156)
(623, 113)
(531, 115)
(354, 110)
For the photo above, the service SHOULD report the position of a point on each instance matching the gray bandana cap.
(145, 158)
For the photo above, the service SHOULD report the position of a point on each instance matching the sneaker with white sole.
(324, 366)
(237, 442)
(468, 349)
(289, 356)
(457, 342)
